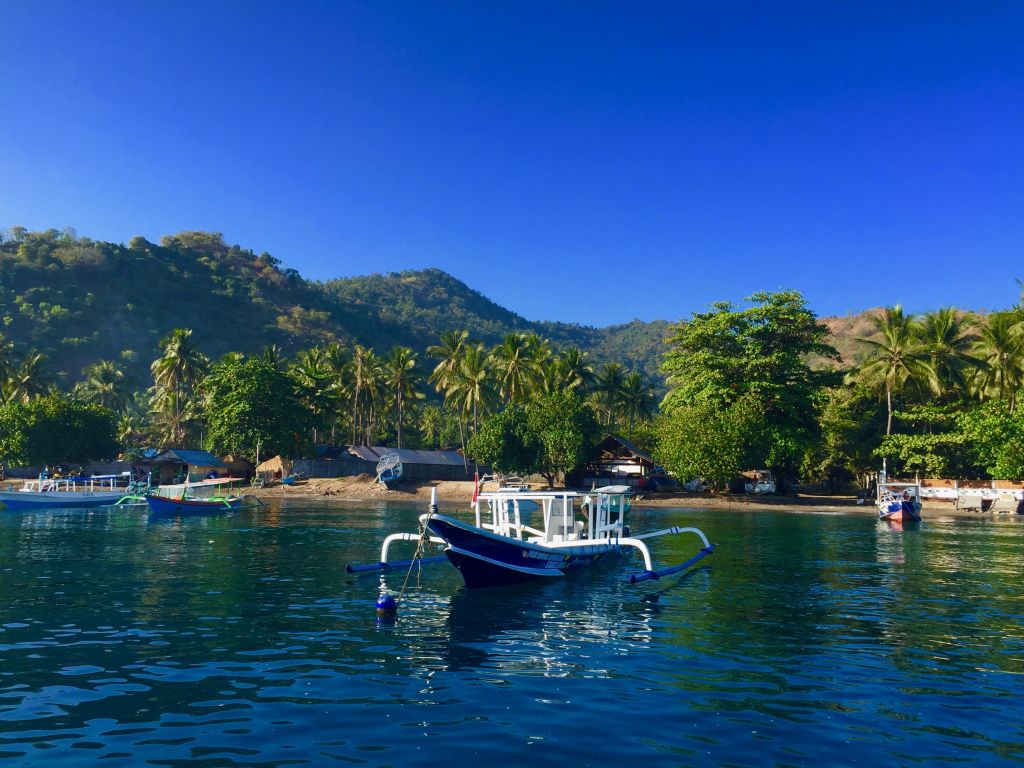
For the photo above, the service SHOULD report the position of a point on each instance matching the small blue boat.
(205, 497)
(498, 548)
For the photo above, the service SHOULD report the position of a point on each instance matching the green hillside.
(78, 301)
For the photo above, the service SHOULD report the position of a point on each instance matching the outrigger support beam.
(384, 565)
(636, 578)
(649, 573)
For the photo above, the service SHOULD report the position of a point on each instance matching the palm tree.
(515, 367)
(449, 355)
(473, 390)
(577, 372)
(27, 379)
(431, 422)
(636, 399)
(404, 378)
(175, 374)
(608, 389)
(947, 341)
(314, 374)
(336, 359)
(6, 365)
(105, 385)
(358, 375)
(1001, 347)
(895, 357)
(373, 381)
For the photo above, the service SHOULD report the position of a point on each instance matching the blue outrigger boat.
(500, 548)
(203, 497)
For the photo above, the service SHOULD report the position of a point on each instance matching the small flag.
(476, 485)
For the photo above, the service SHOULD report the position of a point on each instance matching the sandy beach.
(362, 488)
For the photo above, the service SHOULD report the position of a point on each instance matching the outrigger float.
(500, 548)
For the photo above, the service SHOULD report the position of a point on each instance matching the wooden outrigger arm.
(649, 573)
(385, 565)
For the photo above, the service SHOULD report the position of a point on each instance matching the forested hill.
(78, 301)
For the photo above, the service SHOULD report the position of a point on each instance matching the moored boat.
(899, 502)
(497, 548)
(69, 492)
(203, 497)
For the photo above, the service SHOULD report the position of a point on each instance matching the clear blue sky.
(589, 162)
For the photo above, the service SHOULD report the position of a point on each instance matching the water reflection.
(240, 640)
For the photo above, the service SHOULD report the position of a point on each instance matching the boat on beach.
(389, 468)
(497, 547)
(899, 502)
(66, 492)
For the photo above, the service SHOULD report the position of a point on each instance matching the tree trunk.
(888, 402)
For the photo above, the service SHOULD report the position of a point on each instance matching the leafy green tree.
(851, 422)
(54, 429)
(506, 442)
(756, 358)
(712, 442)
(566, 429)
(995, 436)
(253, 404)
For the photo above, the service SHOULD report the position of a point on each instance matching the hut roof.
(192, 458)
(620, 446)
(276, 464)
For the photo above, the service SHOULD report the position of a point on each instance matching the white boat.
(389, 468)
(761, 482)
(96, 491)
(899, 502)
(497, 548)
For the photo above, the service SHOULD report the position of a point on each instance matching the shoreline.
(363, 488)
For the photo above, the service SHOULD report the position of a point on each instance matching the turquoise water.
(239, 640)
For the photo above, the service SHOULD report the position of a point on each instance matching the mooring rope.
(418, 556)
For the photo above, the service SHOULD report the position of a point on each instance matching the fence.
(350, 467)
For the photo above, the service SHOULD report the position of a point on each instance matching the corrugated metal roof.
(195, 458)
(408, 455)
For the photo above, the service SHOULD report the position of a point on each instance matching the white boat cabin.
(564, 516)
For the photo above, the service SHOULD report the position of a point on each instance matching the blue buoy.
(386, 607)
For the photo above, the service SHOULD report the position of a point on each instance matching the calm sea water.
(810, 639)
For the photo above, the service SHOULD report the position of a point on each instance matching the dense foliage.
(742, 393)
(76, 301)
(54, 429)
(129, 333)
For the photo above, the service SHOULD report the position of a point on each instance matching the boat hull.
(486, 559)
(899, 512)
(161, 505)
(16, 500)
